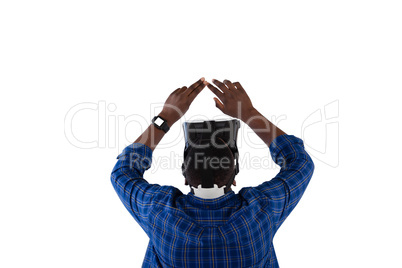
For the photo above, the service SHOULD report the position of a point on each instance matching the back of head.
(209, 159)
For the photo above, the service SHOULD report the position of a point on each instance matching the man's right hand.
(232, 99)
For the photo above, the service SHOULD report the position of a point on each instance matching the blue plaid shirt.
(234, 230)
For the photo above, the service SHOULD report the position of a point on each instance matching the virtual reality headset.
(212, 133)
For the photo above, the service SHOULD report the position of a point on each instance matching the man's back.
(234, 230)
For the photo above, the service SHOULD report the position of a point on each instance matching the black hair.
(217, 161)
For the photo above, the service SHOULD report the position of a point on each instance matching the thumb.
(218, 104)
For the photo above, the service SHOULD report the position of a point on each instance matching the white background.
(58, 207)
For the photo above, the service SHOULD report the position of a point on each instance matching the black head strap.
(200, 136)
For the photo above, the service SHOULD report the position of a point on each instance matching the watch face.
(158, 121)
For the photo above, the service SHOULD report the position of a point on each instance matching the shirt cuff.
(282, 142)
(137, 154)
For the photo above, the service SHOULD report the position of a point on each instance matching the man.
(227, 230)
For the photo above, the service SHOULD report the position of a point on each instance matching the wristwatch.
(160, 123)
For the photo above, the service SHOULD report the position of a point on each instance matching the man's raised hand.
(180, 100)
(231, 99)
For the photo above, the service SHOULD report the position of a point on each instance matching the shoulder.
(167, 195)
(252, 194)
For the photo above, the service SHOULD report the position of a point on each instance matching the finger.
(175, 91)
(196, 84)
(218, 104)
(238, 86)
(198, 88)
(220, 85)
(193, 94)
(229, 84)
(214, 90)
(195, 91)
(182, 89)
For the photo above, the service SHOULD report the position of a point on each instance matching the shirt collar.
(229, 198)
